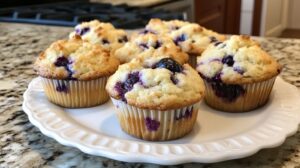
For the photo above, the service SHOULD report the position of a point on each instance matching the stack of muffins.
(165, 71)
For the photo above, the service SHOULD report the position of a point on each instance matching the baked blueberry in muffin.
(238, 74)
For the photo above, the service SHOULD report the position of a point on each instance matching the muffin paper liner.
(156, 125)
(74, 93)
(256, 95)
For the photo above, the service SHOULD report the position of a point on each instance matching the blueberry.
(64, 62)
(78, 31)
(228, 60)
(188, 113)
(61, 87)
(82, 31)
(229, 92)
(278, 70)
(239, 70)
(124, 39)
(157, 45)
(61, 61)
(179, 39)
(169, 64)
(105, 41)
(132, 79)
(146, 31)
(151, 124)
(143, 46)
(123, 87)
(175, 27)
(119, 87)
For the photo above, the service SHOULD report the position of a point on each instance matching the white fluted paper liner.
(75, 93)
(156, 125)
(256, 95)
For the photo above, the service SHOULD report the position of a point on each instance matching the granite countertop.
(23, 145)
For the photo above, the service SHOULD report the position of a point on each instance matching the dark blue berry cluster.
(82, 31)
(123, 87)
(61, 87)
(228, 60)
(179, 39)
(151, 124)
(169, 64)
(229, 92)
(65, 62)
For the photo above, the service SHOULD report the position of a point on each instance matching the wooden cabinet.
(222, 16)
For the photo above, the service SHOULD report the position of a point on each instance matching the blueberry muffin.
(238, 74)
(74, 73)
(156, 102)
(104, 34)
(148, 47)
(190, 37)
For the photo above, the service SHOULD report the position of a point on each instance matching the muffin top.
(148, 46)
(75, 59)
(191, 37)
(162, 86)
(238, 60)
(97, 32)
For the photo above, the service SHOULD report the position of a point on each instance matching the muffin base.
(156, 125)
(256, 95)
(74, 93)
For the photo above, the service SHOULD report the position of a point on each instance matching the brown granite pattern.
(23, 145)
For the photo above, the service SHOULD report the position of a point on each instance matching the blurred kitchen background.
(278, 18)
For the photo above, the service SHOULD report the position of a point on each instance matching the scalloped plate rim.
(146, 158)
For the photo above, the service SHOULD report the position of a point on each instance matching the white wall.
(294, 14)
(246, 17)
(274, 17)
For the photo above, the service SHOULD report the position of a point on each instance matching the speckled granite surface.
(23, 145)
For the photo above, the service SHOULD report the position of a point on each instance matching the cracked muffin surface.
(237, 60)
(163, 85)
(75, 59)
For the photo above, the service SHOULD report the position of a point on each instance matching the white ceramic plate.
(217, 136)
